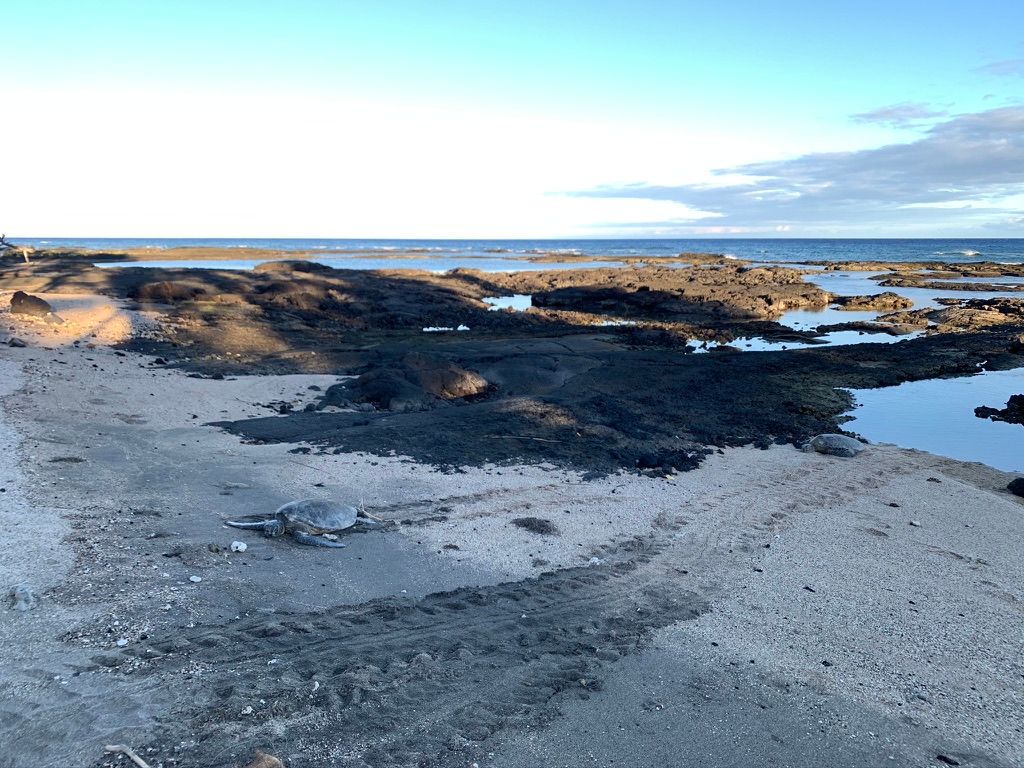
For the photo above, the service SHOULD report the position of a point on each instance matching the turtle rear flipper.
(315, 541)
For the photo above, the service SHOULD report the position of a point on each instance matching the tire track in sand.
(402, 683)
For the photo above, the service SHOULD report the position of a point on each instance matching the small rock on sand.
(23, 598)
(14, 341)
(536, 525)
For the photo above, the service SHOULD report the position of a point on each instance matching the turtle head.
(273, 527)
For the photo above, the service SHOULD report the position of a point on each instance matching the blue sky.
(478, 119)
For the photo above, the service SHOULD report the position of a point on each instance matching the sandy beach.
(731, 601)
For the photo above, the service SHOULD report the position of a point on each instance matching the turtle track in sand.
(402, 683)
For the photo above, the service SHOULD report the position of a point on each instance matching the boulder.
(443, 378)
(417, 383)
(1016, 487)
(26, 304)
(389, 390)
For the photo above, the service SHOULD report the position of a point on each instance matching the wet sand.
(770, 607)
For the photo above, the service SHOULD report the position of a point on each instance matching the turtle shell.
(319, 515)
(836, 445)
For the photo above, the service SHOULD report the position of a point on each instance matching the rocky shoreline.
(552, 560)
(598, 374)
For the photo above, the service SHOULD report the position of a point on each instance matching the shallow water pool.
(860, 284)
(937, 416)
(517, 302)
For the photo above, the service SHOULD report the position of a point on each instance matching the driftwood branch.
(6, 245)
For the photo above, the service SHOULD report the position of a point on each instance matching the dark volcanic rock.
(564, 391)
(724, 293)
(417, 383)
(868, 327)
(959, 316)
(26, 304)
(629, 408)
(1016, 486)
(887, 301)
(1013, 413)
(536, 525)
(389, 390)
(293, 265)
(442, 378)
(167, 291)
(980, 313)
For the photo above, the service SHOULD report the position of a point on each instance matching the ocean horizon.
(1007, 250)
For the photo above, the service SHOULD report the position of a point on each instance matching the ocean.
(451, 252)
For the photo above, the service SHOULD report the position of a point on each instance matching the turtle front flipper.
(270, 528)
(315, 541)
(248, 525)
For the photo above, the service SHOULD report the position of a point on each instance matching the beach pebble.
(121, 643)
(195, 579)
(916, 523)
(239, 546)
(23, 598)
(14, 341)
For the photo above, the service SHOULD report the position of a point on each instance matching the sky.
(571, 118)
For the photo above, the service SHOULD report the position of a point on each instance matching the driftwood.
(4, 246)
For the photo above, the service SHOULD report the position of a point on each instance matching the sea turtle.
(309, 521)
(834, 445)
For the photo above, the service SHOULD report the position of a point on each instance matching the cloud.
(899, 115)
(1005, 68)
(962, 170)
